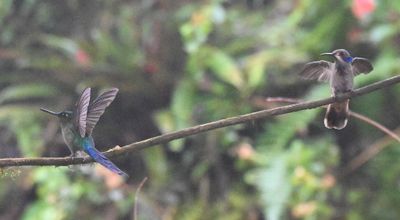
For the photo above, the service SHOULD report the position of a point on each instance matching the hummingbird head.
(63, 116)
(341, 55)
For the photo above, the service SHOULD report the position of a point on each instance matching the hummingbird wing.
(317, 70)
(361, 65)
(81, 111)
(97, 108)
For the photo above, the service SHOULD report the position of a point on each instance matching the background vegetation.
(181, 63)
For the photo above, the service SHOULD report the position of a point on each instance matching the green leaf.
(43, 210)
(5, 8)
(382, 32)
(323, 32)
(223, 66)
(182, 104)
(25, 91)
(157, 166)
(274, 186)
(24, 123)
(65, 44)
(255, 66)
(195, 32)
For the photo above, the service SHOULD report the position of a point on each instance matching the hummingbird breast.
(342, 79)
(71, 137)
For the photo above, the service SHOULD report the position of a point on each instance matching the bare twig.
(376, 124)
(57, 161)
(370, 152)
(283, 99)
(137, 197)
(351, 113)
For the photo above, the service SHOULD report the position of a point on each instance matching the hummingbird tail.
(336, 115)
(103, 160)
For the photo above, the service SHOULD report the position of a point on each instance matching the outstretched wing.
(361, 65)
(317, 70)
(81, 111)
(97, 108)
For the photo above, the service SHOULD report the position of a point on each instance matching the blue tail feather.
(103, 160)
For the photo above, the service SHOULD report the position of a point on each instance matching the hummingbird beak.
(50, 112)
(326, 54)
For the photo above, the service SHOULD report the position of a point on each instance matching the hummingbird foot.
(351, 92)
(79, 154)
(341, 96)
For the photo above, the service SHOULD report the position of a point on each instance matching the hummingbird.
(340, 75)
(77, 126)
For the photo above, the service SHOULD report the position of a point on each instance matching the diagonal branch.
(351, 113)
(370, 152)
(137, 146)
(366, 154)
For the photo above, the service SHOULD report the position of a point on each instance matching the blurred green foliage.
(183, 63)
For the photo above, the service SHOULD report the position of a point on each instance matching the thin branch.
(130, 148)
(351, 113)
(370, 152)
(376, 124)
(135, 212)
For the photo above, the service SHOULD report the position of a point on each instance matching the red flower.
(151, 67)
(82, 58)
(362, 8)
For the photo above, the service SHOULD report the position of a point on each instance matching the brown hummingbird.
(340, 75)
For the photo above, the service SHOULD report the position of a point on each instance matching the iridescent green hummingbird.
(77, 125)
(340, 75)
